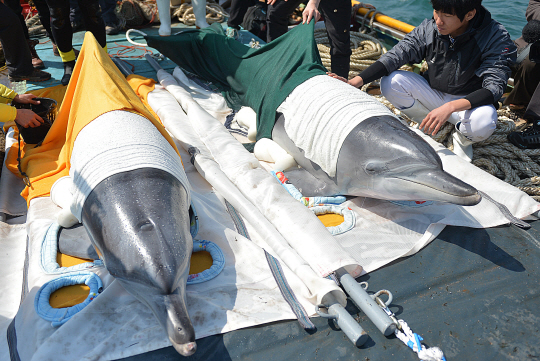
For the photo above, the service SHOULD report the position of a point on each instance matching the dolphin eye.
(375, 167)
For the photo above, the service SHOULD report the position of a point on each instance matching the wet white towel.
(116, 142)
(321, 112)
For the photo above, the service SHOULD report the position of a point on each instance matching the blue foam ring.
(59, 316)
(49, 249)
(218, 262)
(349, 220)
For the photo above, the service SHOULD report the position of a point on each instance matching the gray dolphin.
(139, 222)
(380, 158)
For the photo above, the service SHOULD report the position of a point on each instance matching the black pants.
(16, 51)
(107, 12)
(526, 80)
(337, 16)
(61, 25)
(15, 5)
(237, 11)
(44, 17)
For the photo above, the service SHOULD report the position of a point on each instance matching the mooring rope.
(214, 13)
(366, 49)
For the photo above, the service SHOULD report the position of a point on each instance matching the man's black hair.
(460, 8)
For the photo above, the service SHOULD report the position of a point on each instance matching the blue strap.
(288, 294)
(277, 272)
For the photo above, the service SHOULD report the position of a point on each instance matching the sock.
(68, 69)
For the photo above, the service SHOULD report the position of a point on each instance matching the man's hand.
(25, 99)
(436, 119)
(438, 116)
(311, 12)
(272, 2)
(335, 76)
(27, 118)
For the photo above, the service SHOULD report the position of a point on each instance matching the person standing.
(337, 16)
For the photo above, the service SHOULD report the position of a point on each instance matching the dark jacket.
(479, 58)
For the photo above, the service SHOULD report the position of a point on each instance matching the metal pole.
(364, 302)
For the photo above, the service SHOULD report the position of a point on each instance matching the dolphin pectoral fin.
(308, 184)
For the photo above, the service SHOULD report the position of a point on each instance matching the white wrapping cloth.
(321, 112)
(117, 142)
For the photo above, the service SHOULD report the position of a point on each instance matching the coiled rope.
(366, 49)
(214, 13)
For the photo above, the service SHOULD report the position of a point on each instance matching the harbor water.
(509, 13)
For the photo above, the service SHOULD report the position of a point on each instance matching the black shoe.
(68, 70)
(529, 138)
(35, 76)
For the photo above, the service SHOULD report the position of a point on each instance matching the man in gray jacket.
(468, 55)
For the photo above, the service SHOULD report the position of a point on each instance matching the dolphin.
(139, 223)
(380, 158)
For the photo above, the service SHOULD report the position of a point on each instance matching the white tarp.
(116, 325)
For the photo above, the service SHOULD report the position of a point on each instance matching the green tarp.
(258, 78)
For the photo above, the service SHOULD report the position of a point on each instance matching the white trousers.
(404, 88)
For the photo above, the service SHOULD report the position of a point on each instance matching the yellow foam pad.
(200, 261)
(69, 296)
(331, 219)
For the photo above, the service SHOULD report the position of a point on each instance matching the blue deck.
(116, 46)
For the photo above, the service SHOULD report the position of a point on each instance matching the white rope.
(135, 31)
(413, 340)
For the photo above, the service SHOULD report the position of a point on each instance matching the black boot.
(529, 138)
(68, 69)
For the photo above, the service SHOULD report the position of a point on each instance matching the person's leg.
(412, 95)
(15, 5)
(18, 58)
(337, 15)
(237, 11)
(93, 21)
(75, 16)
(63, 35)
(533, 109)
(277, 18)
(44, 17)
(526, 80)
(109, 17)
